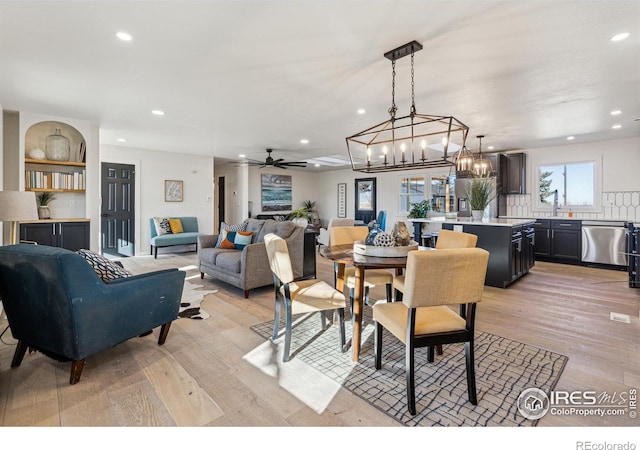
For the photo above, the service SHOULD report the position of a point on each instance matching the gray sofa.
(249, 268)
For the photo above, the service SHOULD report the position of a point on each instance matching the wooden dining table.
(342, 256)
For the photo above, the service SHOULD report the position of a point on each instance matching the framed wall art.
(173, 190)
(276, 192)
(342, 200)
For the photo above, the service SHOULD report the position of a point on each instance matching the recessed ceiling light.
(616, 112)
(491, 147)
(317, 165)
(619, 37)
(304, 141)
(123, 36)
(361, 111)
(242, 156)
(616, 126)
(121, 140)
(157, 112)
(570, 138)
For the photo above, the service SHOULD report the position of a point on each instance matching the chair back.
(381, 220)
(347, 235)
(445, 277)
(278, 254)
(455, 239)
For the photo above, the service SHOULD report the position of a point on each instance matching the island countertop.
(494, 221)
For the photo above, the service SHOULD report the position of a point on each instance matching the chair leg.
(343, 340)
(246, 293)
(389, 292)
(410, 373)
(155, 253)
(76, 370)
(202, 275)
(366, 295)
(287, 334)
(439, 349)
(276, 320)
(398, 297)
(18, 355)
(377, 346)
(164, 332)
(471, 372)
(323, 320)
(430, 354)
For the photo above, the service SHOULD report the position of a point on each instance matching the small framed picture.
(342, 200)
(173, 190)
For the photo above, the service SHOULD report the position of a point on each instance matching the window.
(411, 191)
(575, 183)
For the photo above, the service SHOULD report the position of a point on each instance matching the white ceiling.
(242, 76)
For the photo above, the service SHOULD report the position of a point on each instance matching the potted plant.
(300, 217)
(310, 206)
(480, 192)
(419, 210)
(43, 199)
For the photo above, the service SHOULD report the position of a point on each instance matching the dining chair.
(372, 277)
(299, 296)
(434, 281)
(324, 235)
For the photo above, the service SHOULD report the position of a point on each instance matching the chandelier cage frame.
(414, 141)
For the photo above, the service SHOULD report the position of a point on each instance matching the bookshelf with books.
(55, 176)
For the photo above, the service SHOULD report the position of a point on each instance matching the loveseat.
(248, 268)
(188, 236)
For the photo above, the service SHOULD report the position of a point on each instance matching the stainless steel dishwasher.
(604, 242)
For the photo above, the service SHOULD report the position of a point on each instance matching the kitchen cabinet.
(72, 235)
(512, 173)
(633, 246)
(508, 247)
(558, 240)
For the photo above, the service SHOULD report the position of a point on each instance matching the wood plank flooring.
(199, 378)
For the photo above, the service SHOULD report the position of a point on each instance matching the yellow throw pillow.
(176, 226)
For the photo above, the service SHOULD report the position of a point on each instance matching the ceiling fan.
(279, 163)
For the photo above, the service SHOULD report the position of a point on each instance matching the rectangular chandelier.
(413, 141)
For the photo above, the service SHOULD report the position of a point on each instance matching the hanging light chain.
(393, 109)
(412, 111)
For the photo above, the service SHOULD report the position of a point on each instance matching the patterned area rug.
(190, 302)
(504, 368)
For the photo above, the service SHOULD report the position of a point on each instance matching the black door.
(117, 213)
(220, 201)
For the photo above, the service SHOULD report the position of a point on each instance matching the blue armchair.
(56, 304)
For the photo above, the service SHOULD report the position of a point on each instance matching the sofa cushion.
(254, 225)
(224, 227)
(229, 261)
(104, 267)
(162, 225)
(176, 226)
(281, 229)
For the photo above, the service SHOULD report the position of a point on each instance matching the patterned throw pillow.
(236, 239)
(105, 268)
(162, 225)
(224, 228)
(176, 226)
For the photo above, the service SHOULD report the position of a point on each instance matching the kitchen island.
(510, 243)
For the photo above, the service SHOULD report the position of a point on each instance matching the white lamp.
(16, 206)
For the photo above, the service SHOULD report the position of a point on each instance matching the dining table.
(343, 256)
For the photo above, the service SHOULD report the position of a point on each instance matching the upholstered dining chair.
(299, 296)
(372, 277)
(434, 281)
(324, 238)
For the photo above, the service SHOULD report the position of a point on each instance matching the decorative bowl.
(360, 248)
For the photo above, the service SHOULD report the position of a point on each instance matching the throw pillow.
(224, 228)
(242, 239)
(227, 242)
(162, 225)
(176, 226)
(104, 267)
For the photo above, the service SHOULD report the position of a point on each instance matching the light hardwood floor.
(199, 377)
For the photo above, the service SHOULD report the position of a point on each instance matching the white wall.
(152, 168)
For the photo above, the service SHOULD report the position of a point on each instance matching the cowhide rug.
(190, 303)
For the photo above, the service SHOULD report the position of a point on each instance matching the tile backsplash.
(615, 206)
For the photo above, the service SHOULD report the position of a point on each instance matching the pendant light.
(482, 165)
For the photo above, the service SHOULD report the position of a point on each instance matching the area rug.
(191, 299)
(504, 368)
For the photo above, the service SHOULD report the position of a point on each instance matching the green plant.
(309, 205)
(44, 198)
(299, 213)
(480, 192)
(419, 210)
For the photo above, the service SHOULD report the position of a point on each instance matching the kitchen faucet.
(555, 203)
